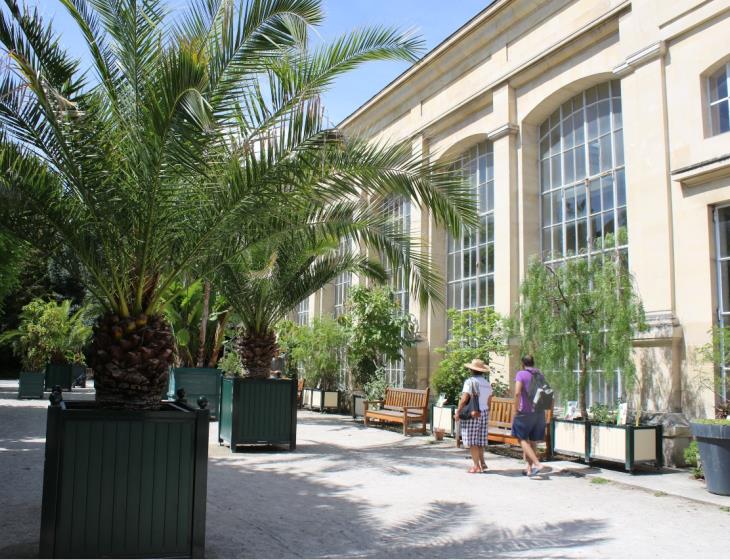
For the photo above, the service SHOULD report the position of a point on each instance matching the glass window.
(470, 274)
(303, 312)
(584, 199)
(342, 284)
(722, 250)
(719, 85)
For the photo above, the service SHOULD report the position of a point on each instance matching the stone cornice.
(507, 129)
(639, 58)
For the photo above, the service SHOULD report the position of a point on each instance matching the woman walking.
(474, 428)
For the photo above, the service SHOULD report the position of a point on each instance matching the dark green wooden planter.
(124, 484)
(591, 441)
(258, 411)
(30, 384)
(198, 382)
(59, 374)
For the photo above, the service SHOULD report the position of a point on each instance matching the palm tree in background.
(191, 139)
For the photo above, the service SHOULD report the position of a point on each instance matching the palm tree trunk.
(256, 352)
(204, 324)
(131, 358)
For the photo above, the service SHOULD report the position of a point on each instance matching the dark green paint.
(258, 411)
(198, 382)
(59, 374)
(30, 384)
(124, 483)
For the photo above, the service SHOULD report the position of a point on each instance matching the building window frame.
(582, 175)
(722, 312)
(718, 102)
(302, 312)
(473, 287)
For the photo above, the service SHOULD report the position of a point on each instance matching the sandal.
(474, 470)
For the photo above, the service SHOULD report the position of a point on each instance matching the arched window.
(470, 268)
(582, 177)
(719, 88)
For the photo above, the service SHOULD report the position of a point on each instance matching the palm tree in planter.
(139, 174)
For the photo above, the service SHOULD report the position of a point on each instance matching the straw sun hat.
(477, 365)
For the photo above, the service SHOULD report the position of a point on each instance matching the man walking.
(528, 425)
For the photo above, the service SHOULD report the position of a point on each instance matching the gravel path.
(350, 491)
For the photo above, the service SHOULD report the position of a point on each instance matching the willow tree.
(578, 317)
(168, 149)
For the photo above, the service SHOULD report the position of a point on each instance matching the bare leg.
(482, 461)
(475, 458)
(530, 455)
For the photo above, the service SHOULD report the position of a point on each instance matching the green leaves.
(474, 334)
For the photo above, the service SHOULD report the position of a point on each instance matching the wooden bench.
(400, 406)
(500, 424)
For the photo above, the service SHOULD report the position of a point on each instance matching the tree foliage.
(580, 316)
(377, 331)
(474, 334)
(49, 333)
(316, 349)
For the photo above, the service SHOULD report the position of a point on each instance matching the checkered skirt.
(474, 430)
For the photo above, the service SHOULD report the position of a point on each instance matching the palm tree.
(173, 152)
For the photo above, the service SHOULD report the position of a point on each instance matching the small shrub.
(602, 414)
(500, 388)
(230, 364)
(375, 388)
(692, 458)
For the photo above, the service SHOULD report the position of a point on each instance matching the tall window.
(722, 242)
(342, 284)
(398, 209)
(719, 87)
(303, 312)
(582, 176)
(470, 268)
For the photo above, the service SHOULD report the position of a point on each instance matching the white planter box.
(443, 417)
(619, 444)
(358, 406)
(324, 400)
(307, 398)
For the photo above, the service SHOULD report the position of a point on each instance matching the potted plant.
(49, 337)
(587, 311)
(199, 319)
(317, 353)
(474, 334)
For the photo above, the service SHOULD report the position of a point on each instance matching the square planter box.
(59, 374)
(124, 484)
(307, 398)
(30, 384)
(443, 417)
(358, 408)
(619, 444)
(258, 411)
(324, 400)
(198, 382)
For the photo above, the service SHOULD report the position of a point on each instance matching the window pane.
(594, 157)
(490, 258)
(592, 121)
(555, 170)
(596, 227)
(490, 290)
(621, 215)
(578, 128)
(620, 188)
(546, 244)
(483, 291)
(603, 91)
(580, 163)
(546, 210)
(580, 201)
(569, 204)
(723, 221)
(720, 117)
(568, 167)
(594, 188)
(606, 153)
(582, 235)
(554, 141)
(617, 117)
(604, 117)
(545, 174)
(607, 188)
(718, 86)
(482, 169)
(557, 207)
(558, 241)
(618, 147)
(570, 238)
(608, 223)
(568, 137)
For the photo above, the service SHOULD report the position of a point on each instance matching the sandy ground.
(350, 491)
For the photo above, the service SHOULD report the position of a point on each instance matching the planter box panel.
(569, 438)
(331, 399)
(225, 421)
(358, 408)
(316, 400)
(443, 417)
(31, 384)
(59, 374)
(198, 382)
(645, 445)
(307, 398)
(609, 443)
(124, 484)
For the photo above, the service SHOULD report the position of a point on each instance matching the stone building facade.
(575, 119)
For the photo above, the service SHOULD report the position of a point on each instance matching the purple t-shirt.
(525, 376)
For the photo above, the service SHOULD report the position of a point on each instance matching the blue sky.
(433, 20)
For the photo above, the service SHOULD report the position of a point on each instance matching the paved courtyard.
(350, 491)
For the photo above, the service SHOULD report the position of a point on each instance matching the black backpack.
(539, 392)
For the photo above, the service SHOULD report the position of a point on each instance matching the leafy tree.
(201, 136)
(477, 333)
(377, 331)
(317, 352)
(49, 333)
(11, 266)
(186, 313)
(717, 353)
(580, 315)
